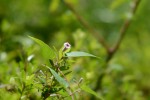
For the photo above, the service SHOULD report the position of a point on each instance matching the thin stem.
(23, 88)
(113, 50)
(123, 30)
(68, 89)
(87, 25)
(110, 51)
(77, 91)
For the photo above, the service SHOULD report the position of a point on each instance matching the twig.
(79, 90)
(123, 30)
(23, 88)
(68, 89)
(110, 51)
(113, 50)
(87, 25)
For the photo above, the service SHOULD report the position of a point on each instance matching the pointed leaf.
(42, 80)
(87, 89)
(59, 79)
(79, 54)
(29, 79)
(117, 3)
(47, 51)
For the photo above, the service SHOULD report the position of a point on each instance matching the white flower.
(67, 45)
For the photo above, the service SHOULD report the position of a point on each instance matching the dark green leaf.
(68, 72)
(64, 68)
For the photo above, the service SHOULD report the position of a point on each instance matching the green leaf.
(47, 51)
(19, 90)
(54, 5)
(59, 79)
(42, 80)
(117, 3)
(87, 89)
(79, 54)
(29, 79)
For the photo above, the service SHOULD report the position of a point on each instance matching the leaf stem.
(123, 31)
(68, 88)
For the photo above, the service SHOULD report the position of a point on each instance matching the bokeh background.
(128, 72)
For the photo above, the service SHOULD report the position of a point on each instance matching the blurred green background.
(128, 74)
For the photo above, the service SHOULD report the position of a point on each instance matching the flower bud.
(66, 46)
(81, 79)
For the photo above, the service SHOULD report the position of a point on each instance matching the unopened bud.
(81, 79)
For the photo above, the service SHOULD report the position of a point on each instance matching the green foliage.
(23, 71)
(52, 82)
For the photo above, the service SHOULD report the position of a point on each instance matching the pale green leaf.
(79, 54)
(29, 79)
(118, 3)
(54, 5)
(87, 89)
(46, 50)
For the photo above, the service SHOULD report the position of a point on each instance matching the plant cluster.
(50, 79)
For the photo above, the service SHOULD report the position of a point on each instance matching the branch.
(87, 25)
(113, 50)
(123, 31)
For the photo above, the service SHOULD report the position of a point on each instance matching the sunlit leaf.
(29, 79)
(47, 51)
(54, 5)
(117, 3)
(87, 89)
(79, 54)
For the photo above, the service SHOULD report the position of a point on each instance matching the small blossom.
(66, 46)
